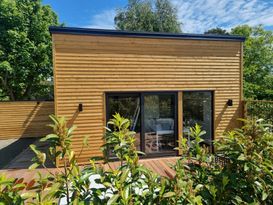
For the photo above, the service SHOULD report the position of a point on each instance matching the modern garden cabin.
(164, 83)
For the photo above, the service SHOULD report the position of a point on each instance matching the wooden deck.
(160, 165)
(18, 167)
(157, 165)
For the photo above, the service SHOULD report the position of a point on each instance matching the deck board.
(157, 165)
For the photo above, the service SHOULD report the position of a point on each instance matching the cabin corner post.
(214, 134)
(242, 102)
(57, 162)
(54, 75)
(180, 120)
(104, 117)
(242, 71)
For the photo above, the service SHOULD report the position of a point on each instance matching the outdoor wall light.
(229, 102)
(80, 108)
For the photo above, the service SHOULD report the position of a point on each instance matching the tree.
(145, 15)
(25, 49)
(258, 61)
(166, 17)
(217, 30)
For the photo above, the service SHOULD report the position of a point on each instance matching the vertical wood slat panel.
(180, 118)
(86, 67)
(25, 119)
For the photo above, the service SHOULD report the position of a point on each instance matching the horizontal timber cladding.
(25, 119)
(87, 66)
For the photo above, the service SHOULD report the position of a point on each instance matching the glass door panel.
(127, 106)
(197, 108)
(159, 123)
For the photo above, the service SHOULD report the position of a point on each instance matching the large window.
(197, 108)
(152, 116)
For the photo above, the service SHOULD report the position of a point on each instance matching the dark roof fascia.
(118, 33)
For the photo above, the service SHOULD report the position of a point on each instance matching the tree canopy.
(217, 30)
(25, 49)
(145, 15)
(258, 60)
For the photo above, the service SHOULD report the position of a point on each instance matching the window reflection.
(197, 108)
(159, 119)
(128, 107)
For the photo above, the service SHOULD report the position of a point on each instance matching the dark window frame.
(142, 134)
(107, 95)
(212, 113)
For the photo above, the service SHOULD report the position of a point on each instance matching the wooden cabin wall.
(85, 67)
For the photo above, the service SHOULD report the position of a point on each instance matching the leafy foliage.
(258, 60)
(25, 49)
(244, 177)
(217, 30)
(249, 173)
(145, 15)
(131, 183)
(10, 191)
(71, 182)
(120, 140)
(260, 109)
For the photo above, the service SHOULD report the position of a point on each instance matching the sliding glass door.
(128, 106)
(152, 116)
(159, 123)
(198, 109)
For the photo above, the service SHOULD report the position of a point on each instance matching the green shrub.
(260, 109)
(10, 191)
(131, 183)
(245, 178)
(249, 173)
(245, 175)
(70, 181)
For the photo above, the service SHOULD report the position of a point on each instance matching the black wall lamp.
(80, 107)
(229, 102)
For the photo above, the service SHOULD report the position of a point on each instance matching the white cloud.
(198, 16)
(104, 20)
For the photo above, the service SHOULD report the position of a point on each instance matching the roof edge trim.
(119, 33)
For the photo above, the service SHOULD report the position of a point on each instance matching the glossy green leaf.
(113, 199)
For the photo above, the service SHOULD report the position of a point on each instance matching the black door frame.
(159, 154)
(142, 134)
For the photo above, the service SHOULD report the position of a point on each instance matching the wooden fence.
(24, 119)
(259, 109)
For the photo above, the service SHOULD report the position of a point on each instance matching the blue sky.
(196, 16)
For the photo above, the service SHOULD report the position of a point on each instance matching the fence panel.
(24, 119)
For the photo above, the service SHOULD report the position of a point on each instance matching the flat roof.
(133, 34)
